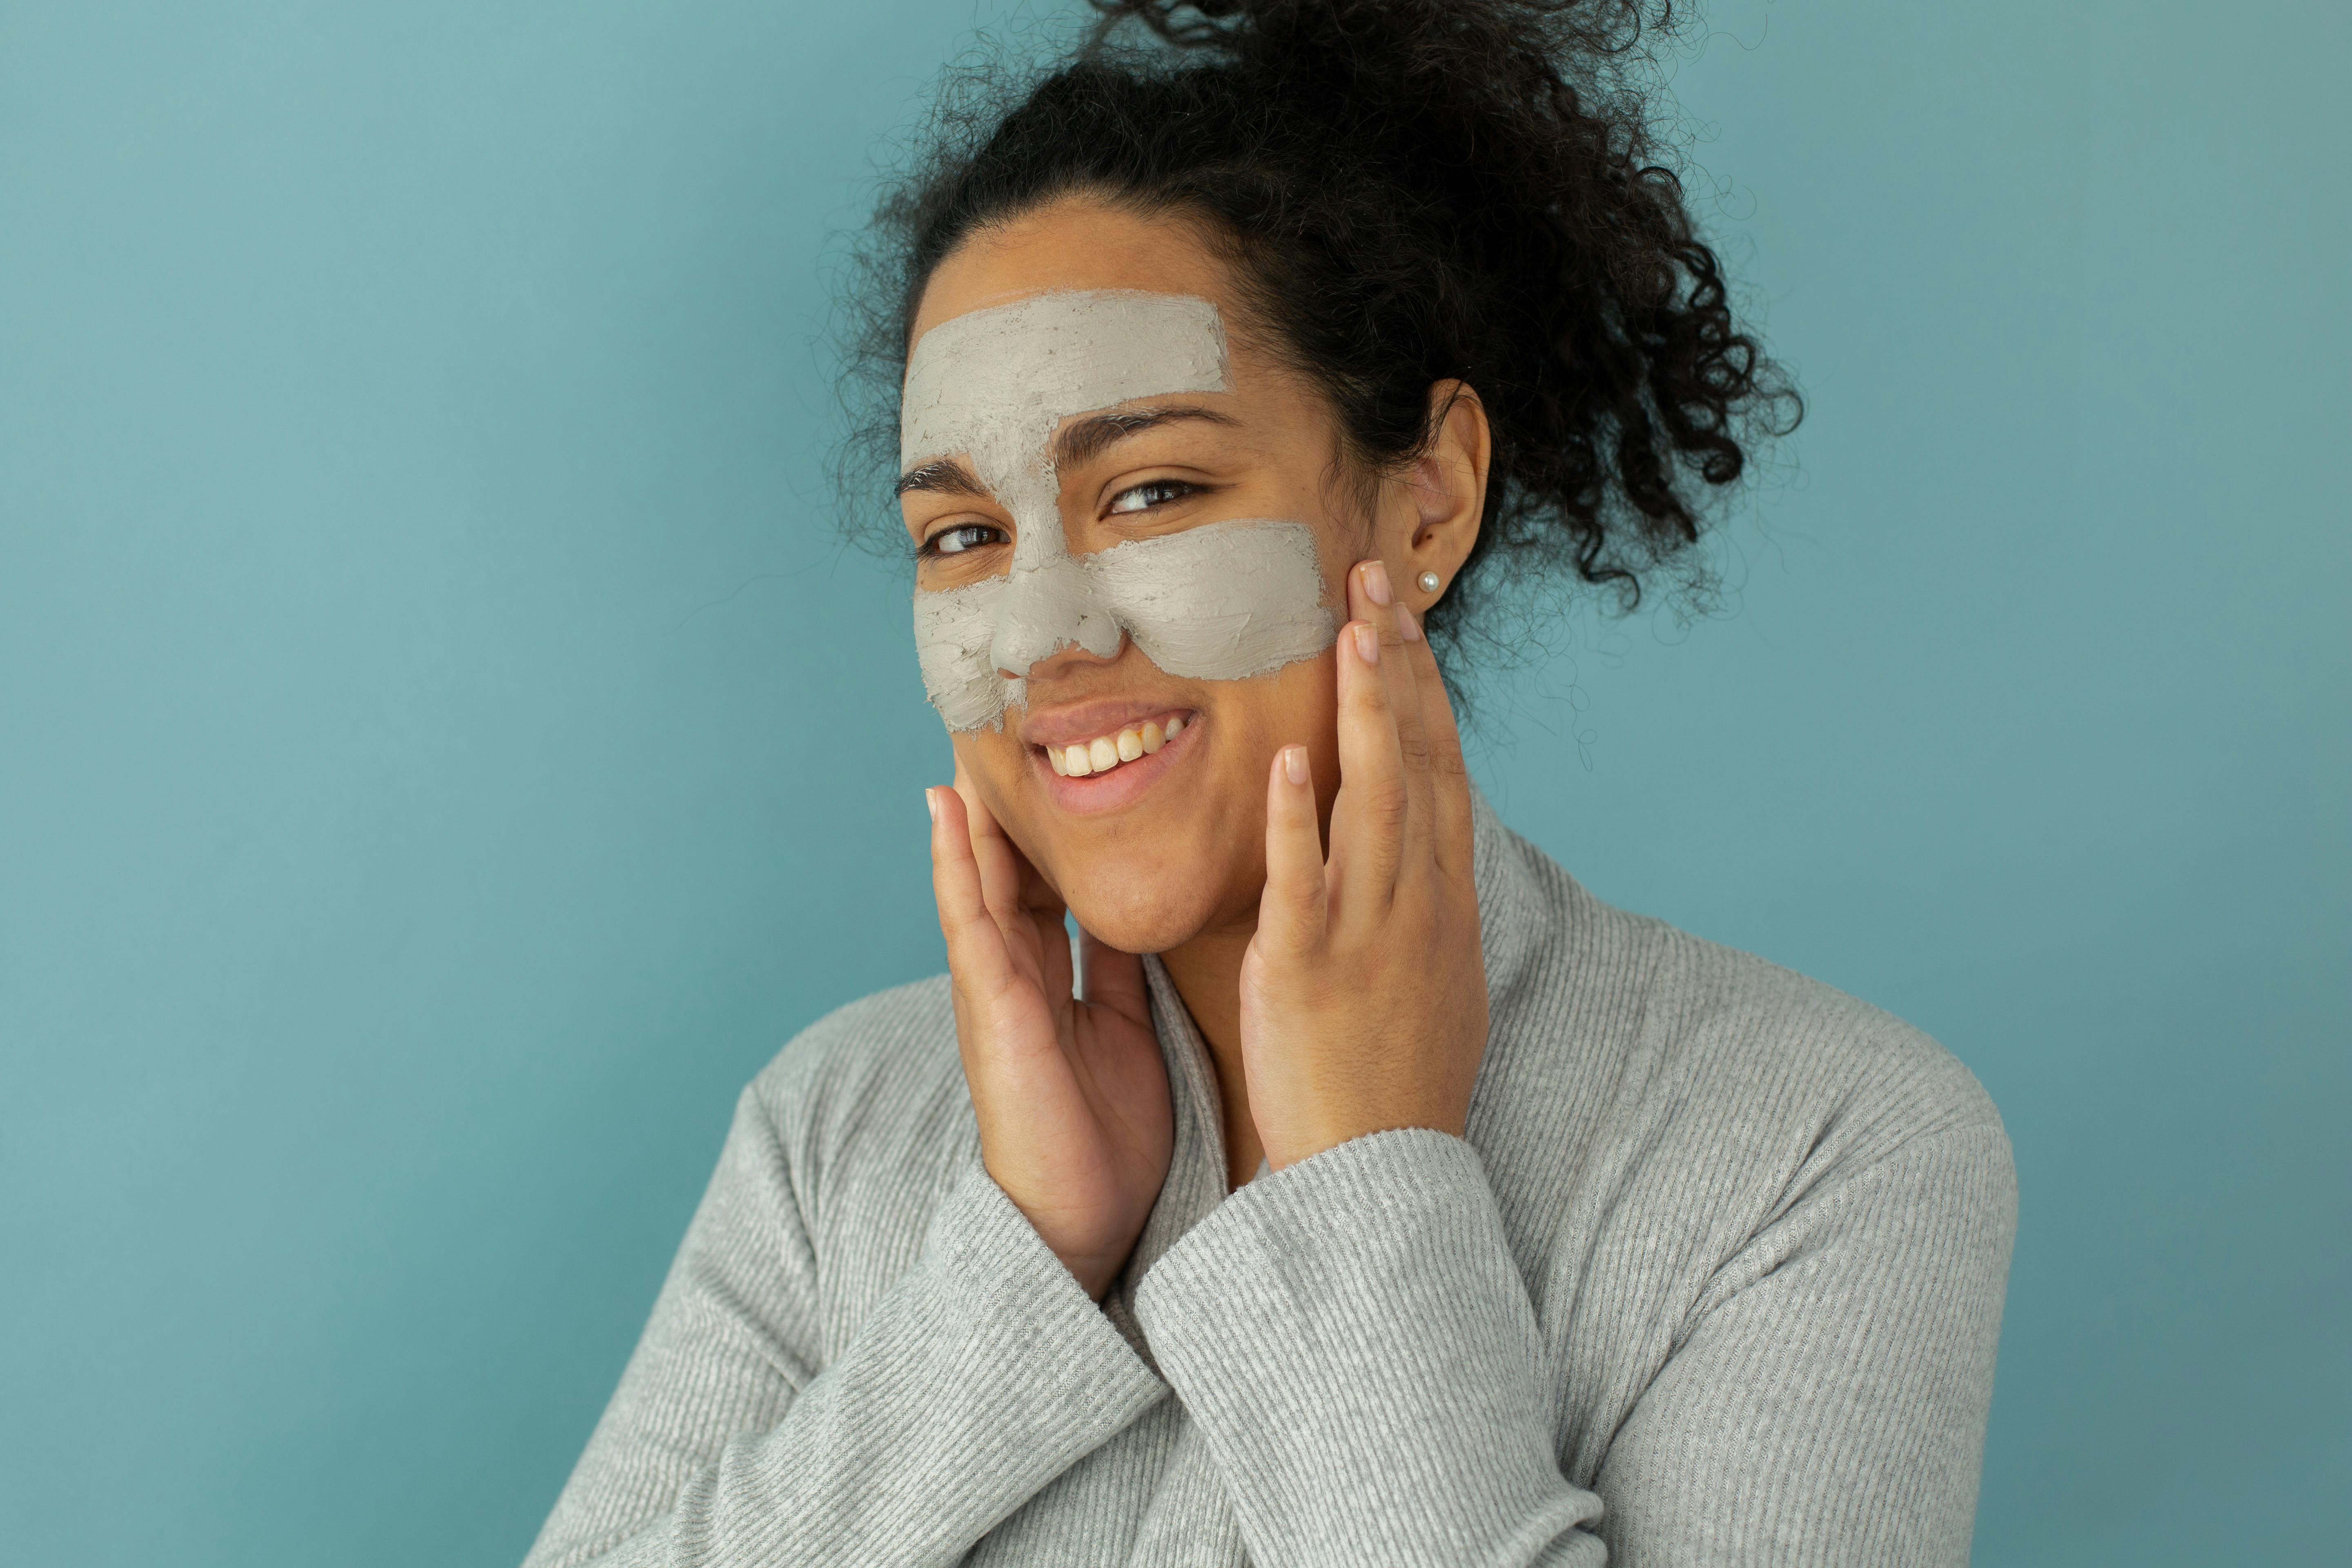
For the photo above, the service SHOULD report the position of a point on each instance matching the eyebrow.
(947, 477)
(1086, 440)
(1081, 443)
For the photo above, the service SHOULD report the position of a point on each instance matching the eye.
(1150, 493)
(963, 536)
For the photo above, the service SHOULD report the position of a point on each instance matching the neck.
(1207, 971)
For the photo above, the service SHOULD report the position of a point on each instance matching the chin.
(1141, 913)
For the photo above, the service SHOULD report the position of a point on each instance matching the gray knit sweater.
(1715, 1277)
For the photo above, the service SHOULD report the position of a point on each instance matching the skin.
(1339, 989)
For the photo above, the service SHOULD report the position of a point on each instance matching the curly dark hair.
(1410, 190)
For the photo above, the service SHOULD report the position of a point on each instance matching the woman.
(1406, 1204)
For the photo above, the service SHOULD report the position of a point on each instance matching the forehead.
(1018, 370)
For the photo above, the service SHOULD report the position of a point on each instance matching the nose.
(1048, 606)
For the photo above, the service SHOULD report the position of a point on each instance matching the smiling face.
(1132, 534)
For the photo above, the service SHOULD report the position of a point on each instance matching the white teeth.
(1107, 751)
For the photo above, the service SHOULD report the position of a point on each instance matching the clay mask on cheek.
(1219, 602)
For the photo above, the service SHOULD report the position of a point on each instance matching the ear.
(1445, 496)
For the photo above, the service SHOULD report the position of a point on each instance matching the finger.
(1016, 888)
(1024, 905)
(1007, 879)
(1449, 772)
(977, 956)
(1369, 813)
(1369, 817)
(1114, 980)
(1373, 600)
(1292, 912)
(993, 990)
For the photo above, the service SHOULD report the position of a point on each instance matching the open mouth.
(1106, 753)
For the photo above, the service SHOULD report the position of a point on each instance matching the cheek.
(1295, 705)
(1300, 706)
(1224, 601)
(989, 761)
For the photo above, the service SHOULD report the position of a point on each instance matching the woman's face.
(1203, 428)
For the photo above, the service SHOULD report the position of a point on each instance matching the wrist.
(1093, 1264)
(1094, 1271)
(1283, 1152)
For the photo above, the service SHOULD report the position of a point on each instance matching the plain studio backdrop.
(444, 751)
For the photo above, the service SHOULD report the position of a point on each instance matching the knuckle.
(1299, 897)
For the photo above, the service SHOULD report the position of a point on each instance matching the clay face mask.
(1219, 602)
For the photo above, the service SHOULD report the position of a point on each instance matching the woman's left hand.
(1363, 994)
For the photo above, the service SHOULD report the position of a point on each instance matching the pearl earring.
(1428, 581)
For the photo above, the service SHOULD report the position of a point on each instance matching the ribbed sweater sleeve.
(980, 1375)
(1827, 1402)
(1358, 1347)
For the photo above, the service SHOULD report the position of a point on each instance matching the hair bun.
(1215, 21)
(1412, 35)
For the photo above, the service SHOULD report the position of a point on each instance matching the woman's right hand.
(1072, 1096)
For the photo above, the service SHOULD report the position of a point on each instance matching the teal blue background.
(444, 752)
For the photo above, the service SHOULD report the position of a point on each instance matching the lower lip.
(1098, 792)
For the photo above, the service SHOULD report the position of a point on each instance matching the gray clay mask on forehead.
(1219, 602)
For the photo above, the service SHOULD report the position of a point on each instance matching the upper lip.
(1076, 722)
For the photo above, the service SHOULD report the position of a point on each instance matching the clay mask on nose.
(1219, 602)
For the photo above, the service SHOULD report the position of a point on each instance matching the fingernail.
(1294, 763)
(1406, 624)
(1368, 643)
(931, 805)
(1376, 581)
